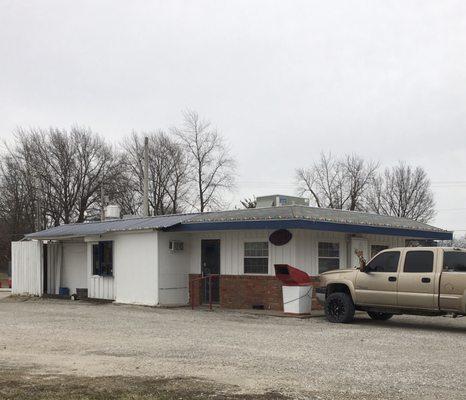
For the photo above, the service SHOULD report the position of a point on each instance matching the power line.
(449, 182)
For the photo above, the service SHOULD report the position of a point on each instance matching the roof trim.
(313, 225)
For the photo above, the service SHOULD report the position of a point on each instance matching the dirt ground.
(51, 349)
(4, 294)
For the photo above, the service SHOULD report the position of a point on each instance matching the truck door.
(378, 285)
(417, 280)
(453, 281)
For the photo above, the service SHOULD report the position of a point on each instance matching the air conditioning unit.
(175, 245)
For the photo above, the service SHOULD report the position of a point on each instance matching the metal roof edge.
(243, 218)
(313, 225)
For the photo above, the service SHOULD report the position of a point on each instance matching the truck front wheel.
(379, 316)
(339, 308)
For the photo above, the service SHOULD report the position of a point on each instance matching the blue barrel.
(64, 291)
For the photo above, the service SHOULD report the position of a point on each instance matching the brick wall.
(195, 287)
(246, 291)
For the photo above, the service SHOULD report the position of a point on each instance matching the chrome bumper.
(320, 295)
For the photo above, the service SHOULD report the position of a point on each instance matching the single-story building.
(152, 260)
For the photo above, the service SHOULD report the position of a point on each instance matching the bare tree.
(66, 168)
(98, 163)
(18, 205)
(306, 179)
(211, 166)
(403, 191)
(18, 197)
(359, 175)
(168, 172)
(52, 176)
(337, 183)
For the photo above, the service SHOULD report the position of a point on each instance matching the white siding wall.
(301, 251)
(74, 266)
(146, 272)
(390, 241)
(27, 268)
(232, 250)
(173, 269)
(307, 245)
(135, 265)
(99, 287)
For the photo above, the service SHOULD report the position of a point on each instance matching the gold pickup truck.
(406, 280)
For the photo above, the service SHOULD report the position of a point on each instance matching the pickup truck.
(407, 280)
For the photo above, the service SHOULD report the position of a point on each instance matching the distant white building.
(158, 260)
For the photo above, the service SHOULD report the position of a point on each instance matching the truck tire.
(379, 316)
(339, 308)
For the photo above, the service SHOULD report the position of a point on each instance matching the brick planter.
(245, 291)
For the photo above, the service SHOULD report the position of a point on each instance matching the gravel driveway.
(406, 357)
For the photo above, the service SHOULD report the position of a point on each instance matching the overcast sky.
(283, 80)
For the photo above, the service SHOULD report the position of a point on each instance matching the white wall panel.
(27, 268)
(173, 269)
(74, 266)
(135, 268)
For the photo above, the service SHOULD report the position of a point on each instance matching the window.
(329, 256)
(419, 261)
(377, 248)
(102, 259)
(385, 262)
(256, 258)
(454, 261)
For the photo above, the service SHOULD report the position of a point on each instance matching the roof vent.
(112, 211)
(277, 200)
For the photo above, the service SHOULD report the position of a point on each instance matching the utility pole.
(38, 206)
(39, 216)
(102, 201)
(145, 203)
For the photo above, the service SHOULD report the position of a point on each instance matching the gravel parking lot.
(4, 293)
(407, 357)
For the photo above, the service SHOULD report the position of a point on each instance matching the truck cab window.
(454, 261)
(419, 262)
(384, 262)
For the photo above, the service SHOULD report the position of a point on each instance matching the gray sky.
(283, 80)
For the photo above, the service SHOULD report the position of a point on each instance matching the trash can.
(297, 289)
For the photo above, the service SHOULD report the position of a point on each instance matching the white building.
(151, 260)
